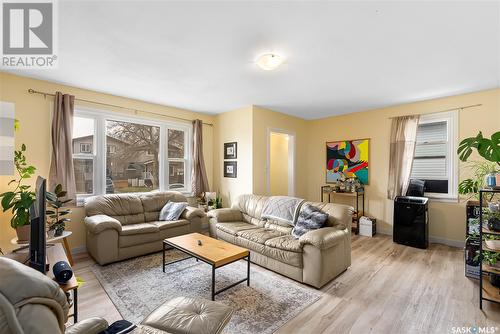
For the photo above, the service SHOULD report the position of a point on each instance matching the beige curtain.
(199, 180)
(403, 137)
(61, 164)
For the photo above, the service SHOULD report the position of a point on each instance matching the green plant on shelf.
(489, 257)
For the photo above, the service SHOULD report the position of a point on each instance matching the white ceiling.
(342, 57)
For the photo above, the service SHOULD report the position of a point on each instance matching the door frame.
(291, 160)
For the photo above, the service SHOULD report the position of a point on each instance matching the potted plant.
(492, 259)
(21, 198)
(488, 148)
(479, 170)
(57, 219)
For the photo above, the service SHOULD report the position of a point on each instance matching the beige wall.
(232, 126)
(278, 180)
(265, 120)
(447, 220)
(249, 127)
(34, 114)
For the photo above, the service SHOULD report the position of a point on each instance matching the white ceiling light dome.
(269, 61)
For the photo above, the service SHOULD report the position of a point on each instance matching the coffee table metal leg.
(213, 282)
(163, 257)
(248, 269)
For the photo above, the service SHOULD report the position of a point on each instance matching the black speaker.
(62, 272)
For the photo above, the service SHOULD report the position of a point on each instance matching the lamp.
(269, 61)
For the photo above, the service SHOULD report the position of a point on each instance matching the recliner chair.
(31, 302)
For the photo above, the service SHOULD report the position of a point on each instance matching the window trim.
(100, 149)
(451, 119)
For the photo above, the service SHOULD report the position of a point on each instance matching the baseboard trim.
(78, 250)
(432, 239)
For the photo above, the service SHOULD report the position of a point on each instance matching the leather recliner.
(122, 226)
(315, 258)
(32, 303)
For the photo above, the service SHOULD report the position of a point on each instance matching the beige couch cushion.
(126, 208)
(153, 202)
(234, 227)
(259, 235)
(285, 249)
(132, 229)
(251, 206)
(164, 224)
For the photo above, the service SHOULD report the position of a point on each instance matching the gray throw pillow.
(172, 210)
(310, 218)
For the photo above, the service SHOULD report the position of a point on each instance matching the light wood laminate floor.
(388, 289)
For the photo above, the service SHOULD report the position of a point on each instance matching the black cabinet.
(411, 226)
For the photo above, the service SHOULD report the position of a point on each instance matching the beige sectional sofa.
(121, 226)
(315, 258)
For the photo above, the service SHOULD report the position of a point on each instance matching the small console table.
(358, 195)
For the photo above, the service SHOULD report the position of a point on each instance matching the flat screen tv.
(37, 221)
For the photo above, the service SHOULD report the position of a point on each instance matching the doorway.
(281, 163)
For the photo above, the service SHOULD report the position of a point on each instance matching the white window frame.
(89, 151)
(451, 119)
(100, 149)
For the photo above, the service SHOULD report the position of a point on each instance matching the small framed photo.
(230, 169)
(231, 150)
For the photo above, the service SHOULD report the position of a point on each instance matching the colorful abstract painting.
(348, 158)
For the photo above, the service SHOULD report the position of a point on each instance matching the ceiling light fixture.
(269, 61)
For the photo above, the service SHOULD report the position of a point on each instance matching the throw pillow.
(310, 218)
(172, 210)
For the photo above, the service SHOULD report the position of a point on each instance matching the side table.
(62, 237)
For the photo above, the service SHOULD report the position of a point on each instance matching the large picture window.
(114, 154)
(435, 155)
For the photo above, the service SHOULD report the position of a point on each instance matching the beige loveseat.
(121, 226)
(315, 258)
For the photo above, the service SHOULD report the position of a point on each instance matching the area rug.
(138, 286)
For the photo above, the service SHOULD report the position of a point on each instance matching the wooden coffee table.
(216, 253)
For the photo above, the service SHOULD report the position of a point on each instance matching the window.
(131, 168)
(435, 155)
(114, 154)
(85, 148)
(83, 156)
(176, 159)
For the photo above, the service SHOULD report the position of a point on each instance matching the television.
(38, 219)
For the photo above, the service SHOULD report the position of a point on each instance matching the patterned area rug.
(138, 286)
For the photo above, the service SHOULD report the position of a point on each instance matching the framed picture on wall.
(347, 158)
(231, 150)
(230, 169)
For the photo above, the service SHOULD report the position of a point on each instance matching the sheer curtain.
(403, 138)
(199, 180)
(61, 163)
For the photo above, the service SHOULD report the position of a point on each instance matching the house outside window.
(435, 160)
(129, 154)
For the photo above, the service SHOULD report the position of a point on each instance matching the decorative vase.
(495, 280)
(494, 224)
(51, 233)
(23, 233)
(59, 231)
(490, 180)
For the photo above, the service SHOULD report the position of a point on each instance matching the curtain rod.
(451, 109)
(32, 91)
